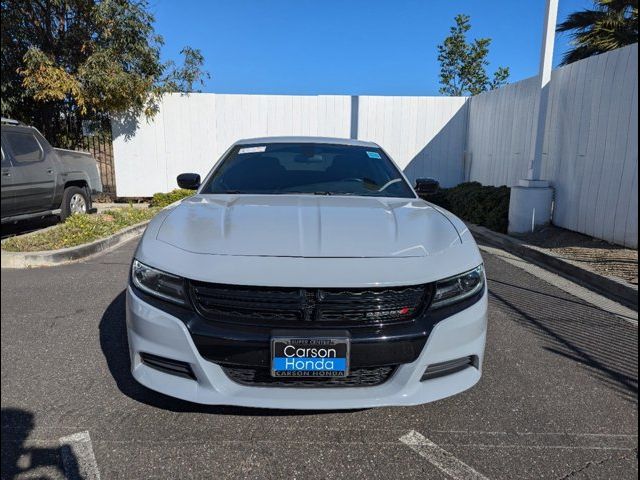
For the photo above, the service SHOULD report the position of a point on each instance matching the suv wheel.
(74, 200)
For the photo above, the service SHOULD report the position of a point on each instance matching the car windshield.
(308, 168)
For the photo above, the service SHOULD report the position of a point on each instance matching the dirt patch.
(593, 254)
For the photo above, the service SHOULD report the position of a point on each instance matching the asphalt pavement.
(558, 398)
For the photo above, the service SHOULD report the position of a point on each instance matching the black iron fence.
(101, 147)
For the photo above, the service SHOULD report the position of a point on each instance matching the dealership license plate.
(309, 356)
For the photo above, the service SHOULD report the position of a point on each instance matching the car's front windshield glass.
(308, 168)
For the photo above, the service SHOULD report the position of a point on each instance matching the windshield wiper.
(305, 193)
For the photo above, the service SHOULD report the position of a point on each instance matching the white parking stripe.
(78, 460)
(440, 458)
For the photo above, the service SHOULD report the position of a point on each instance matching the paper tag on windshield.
(252, 149)
(374, 155)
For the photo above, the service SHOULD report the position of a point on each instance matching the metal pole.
(544, 77)
(531, 200)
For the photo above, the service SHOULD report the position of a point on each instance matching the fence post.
(532, 199)
(355, 111)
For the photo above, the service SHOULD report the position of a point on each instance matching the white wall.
(499, 136)
(191, 132)
(424, 134)
(590, 152)
(591, 142)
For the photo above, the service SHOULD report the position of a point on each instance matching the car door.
(7, 203)
(33, 173)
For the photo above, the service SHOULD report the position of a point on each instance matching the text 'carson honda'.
(306, 273)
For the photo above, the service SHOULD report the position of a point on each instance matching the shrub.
(161, 200)
(475, 203)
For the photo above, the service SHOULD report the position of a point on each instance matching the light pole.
(532, 199)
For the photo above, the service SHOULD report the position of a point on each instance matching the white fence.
(591, 140)
(191, 132)
(425, 135)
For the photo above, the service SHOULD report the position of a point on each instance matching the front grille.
(261, 377)
(313, 307)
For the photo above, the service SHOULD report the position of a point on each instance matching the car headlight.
(158, 283)
(455, 289)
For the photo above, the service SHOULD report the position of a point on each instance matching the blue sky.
(351, 47)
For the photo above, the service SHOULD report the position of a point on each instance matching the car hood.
(307, 226)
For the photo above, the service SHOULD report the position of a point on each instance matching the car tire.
(74, 200)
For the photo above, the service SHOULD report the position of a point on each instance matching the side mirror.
(427, 186)
(189, 181)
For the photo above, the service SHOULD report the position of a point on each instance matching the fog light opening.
(442, 369)
(167, 365)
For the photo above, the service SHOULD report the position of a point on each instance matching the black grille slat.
(281, 306)
(261, 377)
(256, 304)
(239, 315)
(356, 305)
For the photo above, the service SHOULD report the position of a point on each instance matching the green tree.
(463, 64)
(68, 60)
(609, 25)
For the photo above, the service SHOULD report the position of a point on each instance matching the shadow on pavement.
(32, 462)
(27, 226)
(113, 342)
(575, 330)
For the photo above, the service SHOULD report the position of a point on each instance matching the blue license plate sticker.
(309, 357)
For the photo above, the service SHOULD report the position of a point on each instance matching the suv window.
(24, 146)
(308, 168)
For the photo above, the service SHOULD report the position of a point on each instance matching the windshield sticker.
(252, 149)
(374, 155)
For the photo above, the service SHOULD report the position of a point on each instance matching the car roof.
(11, 127)
(329, 140)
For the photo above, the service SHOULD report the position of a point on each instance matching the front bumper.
(154, 331)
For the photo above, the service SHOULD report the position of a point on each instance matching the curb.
(610, 287)
(51, 258)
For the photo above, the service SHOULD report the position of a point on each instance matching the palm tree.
(609, 25)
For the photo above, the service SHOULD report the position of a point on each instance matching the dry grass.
(593, 254)
(80, 229)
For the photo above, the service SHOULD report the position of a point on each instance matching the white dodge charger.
(306, 273)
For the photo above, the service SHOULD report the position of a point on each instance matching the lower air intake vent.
(447, 368)
(261, 377)
(166, 365)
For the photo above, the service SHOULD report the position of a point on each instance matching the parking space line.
(440, 458)
(78, 459)
(563, 434)
(544, 447)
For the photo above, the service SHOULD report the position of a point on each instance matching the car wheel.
(74, 200)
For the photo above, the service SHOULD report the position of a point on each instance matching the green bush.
(163, 199)
(475, 203)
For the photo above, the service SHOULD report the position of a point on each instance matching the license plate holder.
(310, 354)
